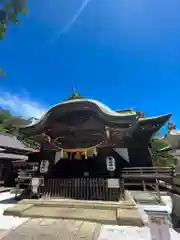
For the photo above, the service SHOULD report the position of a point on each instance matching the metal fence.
(80, 188)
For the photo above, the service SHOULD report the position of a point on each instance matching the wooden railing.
(145, 173)
(149, 178)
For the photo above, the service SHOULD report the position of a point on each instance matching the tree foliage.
(163, 159)
(160, 153)
(10, 10)
(10, 124)
(171, 126)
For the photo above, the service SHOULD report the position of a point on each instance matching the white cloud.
(21, 106)
(74, 18)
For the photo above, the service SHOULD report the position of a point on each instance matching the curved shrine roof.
(149, 126)
(83, 120)
(102, 111)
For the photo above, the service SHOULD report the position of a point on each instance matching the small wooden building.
(11, 149)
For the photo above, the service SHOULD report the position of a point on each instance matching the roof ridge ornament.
(74, 95)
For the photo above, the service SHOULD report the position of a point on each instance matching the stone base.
(17, 210)
(129, 217)
(69, 203)
(92, 215)
(113, 213)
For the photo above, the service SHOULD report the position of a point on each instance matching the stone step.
(92, 215)
(113, 216)
(69, 203)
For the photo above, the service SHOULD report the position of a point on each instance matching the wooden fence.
(80, 188)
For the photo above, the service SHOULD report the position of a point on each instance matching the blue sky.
(124, 53)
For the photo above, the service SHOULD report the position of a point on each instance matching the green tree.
(160, 153)
(10, 124)
(9, 13)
